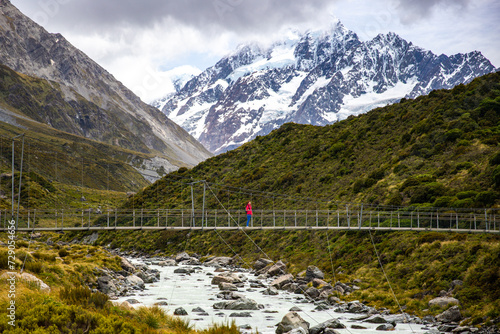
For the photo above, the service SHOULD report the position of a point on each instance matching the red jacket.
(248, 209)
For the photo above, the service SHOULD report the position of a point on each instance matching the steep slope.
(30, 49)
(437, 150)
(314, 78)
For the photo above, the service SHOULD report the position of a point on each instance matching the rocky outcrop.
(27, 277)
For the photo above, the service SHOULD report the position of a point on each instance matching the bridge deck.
(233, 228)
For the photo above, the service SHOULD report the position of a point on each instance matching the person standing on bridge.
(248, 209)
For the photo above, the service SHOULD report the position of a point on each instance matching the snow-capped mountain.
(311, 78)
(173, 80)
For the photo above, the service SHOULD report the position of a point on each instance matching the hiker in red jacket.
(248, 209)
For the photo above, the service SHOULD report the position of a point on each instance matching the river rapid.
(195, 293)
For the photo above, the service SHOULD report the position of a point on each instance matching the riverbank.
(420, 266)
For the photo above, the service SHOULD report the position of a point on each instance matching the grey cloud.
(235, 15)
(412, 10)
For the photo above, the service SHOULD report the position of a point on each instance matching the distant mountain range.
(95, 104)
(309, 78)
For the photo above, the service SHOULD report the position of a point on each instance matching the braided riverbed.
(196, 295)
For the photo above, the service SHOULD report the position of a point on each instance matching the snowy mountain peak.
(314, 77)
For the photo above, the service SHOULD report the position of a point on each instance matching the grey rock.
(446, 328)
(161, 303)
(238, 304)
(385, 327)
(222, 261)
(290, 321)
(270, 291)
(332, 323)
(135, 281)
(261, 263)
(182, 257)
(133, 301)
(312, 293)
(376, 320)
(198, 310)
(358, 327)
(106, 285)
(126, 265)
(279, 268)
(282, 281)
(184, 270)
(450, 315)
(226, 277)
(180, 311)
(443, 302)
(227, 287)
(240, 315)
(313, 272)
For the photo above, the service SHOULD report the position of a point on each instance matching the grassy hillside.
(55, 162)
(70, 306)
(438, 150)
(59, 158)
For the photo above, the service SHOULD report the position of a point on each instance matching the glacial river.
(195, 291)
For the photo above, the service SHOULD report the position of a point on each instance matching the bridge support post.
(486, 219)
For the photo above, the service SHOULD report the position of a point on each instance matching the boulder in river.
(127, 266)
(184, 270)
(221, 261)
(332, 324)
(282, 281)
(313, 272)
(135, 281)
(261, 263)
(180, 311)
(226, 277)
(238, 304)
(279, 268)
(291, 321)
(385, 327)
(240, 315)
(223, 286)
(182, 257)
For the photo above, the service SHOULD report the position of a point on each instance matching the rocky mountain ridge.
(29, 49)
(310, 78)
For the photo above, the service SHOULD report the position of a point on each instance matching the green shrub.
(486, 198)
(63, 252)
(430, 237)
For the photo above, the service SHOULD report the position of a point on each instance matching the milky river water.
(194, 290)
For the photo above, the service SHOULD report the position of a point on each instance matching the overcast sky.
(137, 41)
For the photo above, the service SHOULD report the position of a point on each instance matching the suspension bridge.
(189, 219)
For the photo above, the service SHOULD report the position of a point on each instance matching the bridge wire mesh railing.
(80, 219)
